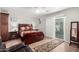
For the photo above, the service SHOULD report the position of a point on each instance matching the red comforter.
(29, 37)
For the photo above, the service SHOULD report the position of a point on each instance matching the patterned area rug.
(48, 46)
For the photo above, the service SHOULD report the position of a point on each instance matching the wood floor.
(64, 47)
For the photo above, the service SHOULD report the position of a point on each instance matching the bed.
(28, 34)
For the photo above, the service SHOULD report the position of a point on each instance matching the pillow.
(27, 28)
(22, 28)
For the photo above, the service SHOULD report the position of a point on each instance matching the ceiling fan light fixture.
(40, 10)
(37, 11)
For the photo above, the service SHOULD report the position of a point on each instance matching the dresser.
(13, 35)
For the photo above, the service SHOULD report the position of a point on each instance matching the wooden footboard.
(32, 37)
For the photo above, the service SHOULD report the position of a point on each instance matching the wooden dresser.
(13, 35)
(4, 26)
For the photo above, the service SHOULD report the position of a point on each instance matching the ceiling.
(39, 11)
(33, 11)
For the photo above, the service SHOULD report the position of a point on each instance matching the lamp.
(14, 26)
(34, 26)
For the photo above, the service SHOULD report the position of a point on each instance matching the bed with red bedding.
(28, 34)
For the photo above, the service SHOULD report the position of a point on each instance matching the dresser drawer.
(13, 35)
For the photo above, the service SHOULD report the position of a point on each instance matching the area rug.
(48, 46)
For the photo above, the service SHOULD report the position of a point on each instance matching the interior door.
(4, 27)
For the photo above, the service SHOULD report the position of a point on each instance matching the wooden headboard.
(25, 27)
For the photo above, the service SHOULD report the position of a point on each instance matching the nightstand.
(13, 35)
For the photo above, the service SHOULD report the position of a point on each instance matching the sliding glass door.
(59, 28)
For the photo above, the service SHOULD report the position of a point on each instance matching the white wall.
(49, 27)
(71, 14)
(42, 25)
